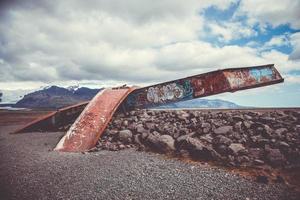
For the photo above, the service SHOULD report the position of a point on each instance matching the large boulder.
(222, 149)
(152, 138)
(268, 130)
(223, 130)
(125, 136)
(281, 131)
(206, 127)
(206, 138)
(236, 148)
(255, 153)
(220, 139)
(150, 126)
(194, 144)
(166, 143)
(196, 148)
(140, 129)
(161, 143)
(275, 157)
(238, 126)
(247, 124)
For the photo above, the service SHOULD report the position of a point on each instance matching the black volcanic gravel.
(30, 170)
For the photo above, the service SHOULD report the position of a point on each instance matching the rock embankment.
(232, 137)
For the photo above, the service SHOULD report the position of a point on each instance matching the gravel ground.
(30, 170)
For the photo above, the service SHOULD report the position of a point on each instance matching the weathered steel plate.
(54, 120)
(227, 80)
(88, 127)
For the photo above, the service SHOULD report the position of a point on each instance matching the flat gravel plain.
(29, 169)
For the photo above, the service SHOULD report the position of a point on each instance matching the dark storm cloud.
(15, 5)
(5, 4)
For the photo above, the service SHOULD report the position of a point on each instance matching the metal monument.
(91, 118)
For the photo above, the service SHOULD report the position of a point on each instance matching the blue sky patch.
(221, 17)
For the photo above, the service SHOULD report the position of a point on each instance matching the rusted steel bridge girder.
(91, 123)
(54, 120)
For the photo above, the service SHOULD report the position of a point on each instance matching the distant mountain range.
(56, 97)
(53, 97)
(201, 103)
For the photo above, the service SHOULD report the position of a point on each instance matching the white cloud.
(281, 60)
(295, 41)
(252, 43)
(274, 12)
(25, 85)
(292, 79)
(203, 56)
(105, 40)
(280, 40)
(228, 31)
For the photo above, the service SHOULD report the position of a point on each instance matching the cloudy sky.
(111, 42)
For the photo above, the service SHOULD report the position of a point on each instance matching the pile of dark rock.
(232, 137)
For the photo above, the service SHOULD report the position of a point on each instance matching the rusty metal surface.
(227, 80)
(54, 120)
(88, 127)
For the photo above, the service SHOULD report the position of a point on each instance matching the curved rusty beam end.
(89, 126)
(53, 120)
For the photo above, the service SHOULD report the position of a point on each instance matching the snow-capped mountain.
(56, 97)
(201, 103)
